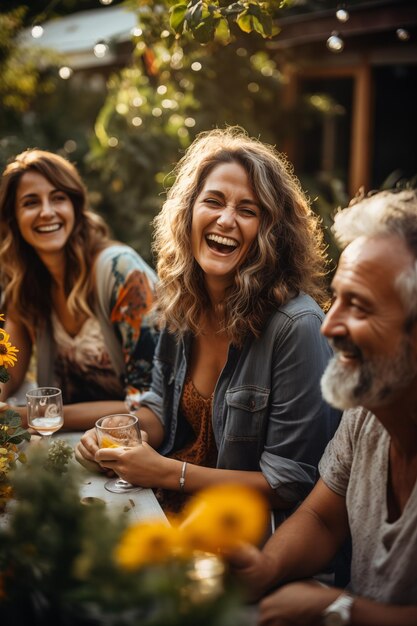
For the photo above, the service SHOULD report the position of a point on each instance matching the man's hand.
(253, 568)
(296, 604)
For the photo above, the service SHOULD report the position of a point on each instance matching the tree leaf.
(222, 33)
(233, 9)
(204, 32)
(194, 15)
(245, 22)
(4, 375)
(177, 17)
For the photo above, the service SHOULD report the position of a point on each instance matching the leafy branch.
(205, 20)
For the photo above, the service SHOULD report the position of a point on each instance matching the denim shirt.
(268, 412)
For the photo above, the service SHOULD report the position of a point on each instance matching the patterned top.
(83, 367)
(124, 298)
(131, 303)
(200, 450)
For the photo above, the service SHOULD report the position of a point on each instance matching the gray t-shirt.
(355, 465)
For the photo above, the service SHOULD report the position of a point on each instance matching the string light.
(37, 31)
(342, 15)
(335, 43)
(65, 72)
(100, 49)
(403, 34)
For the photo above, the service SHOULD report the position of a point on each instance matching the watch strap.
(340, 609)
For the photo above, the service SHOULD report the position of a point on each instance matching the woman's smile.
(226, 218)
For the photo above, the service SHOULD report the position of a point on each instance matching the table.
(139, 505)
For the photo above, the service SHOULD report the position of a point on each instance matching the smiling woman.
(235, 384)
(44, 215)
(226, 219)
(81, 299)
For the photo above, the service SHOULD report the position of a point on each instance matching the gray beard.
(370, 384)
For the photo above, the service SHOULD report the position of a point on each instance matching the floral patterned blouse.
(120, 338)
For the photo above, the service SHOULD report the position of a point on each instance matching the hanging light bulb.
(335, 43)
(100, 49)
(403, 34)
(65, 72)
(105, 2)
(37, 31)
(342, 15)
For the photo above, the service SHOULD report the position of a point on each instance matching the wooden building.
(364, 84)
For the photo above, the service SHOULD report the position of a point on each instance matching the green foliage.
(126, 140)
(155, 108)
(21, 77)
(205, 20)
(28, 80)
(11, 430)
(59, 455)
(57, 565)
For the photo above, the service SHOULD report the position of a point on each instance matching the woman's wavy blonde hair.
(287, 257)
(25, 281)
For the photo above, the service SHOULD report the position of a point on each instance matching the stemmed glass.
(115, 431)
(45, 410)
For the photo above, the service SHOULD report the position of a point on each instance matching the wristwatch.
(338, 612)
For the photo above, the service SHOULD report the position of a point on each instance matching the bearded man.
(368, 473)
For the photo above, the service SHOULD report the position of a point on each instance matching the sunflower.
(146, 543)
(222, 516)
(7, 351)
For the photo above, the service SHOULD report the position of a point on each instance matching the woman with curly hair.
(81, 299)
(235, 392)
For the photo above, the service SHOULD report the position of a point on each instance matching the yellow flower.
(146, 543)
(2, 317)
(222, 516)
(7, 351)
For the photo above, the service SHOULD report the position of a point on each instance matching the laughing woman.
(235, 392)
(80, 298)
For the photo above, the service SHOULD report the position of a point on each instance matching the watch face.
(338, 613)
(334, 619)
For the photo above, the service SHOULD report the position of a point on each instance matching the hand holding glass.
(45, 410)
(120, 430)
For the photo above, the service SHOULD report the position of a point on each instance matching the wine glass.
(45, 410)
(115, 431)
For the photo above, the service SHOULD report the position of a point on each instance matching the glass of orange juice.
(115, 431)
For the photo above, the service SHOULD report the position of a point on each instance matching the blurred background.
(119, 89)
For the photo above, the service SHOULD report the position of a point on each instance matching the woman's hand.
(85, 451)
(140, 465)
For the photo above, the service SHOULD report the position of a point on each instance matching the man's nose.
(334, 323)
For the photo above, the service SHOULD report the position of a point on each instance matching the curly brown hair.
(287, 257)
(25, 281)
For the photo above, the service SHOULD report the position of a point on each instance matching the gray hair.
(385, 214)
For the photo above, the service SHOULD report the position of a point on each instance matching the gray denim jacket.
(268, 412)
